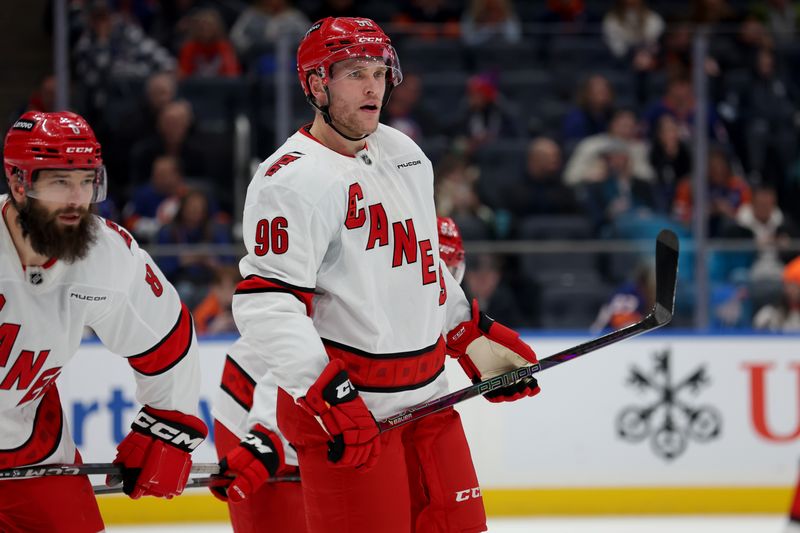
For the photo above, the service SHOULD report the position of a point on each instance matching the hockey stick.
(194, 483)
(86, 469)
(660, 315)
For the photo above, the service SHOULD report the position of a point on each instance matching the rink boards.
(657, 424)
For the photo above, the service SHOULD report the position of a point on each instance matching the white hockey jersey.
(343, 262)
(119, 292)
(248, 395)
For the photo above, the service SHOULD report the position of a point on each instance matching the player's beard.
(54, 240)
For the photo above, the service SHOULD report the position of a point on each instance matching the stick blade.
(667, 250)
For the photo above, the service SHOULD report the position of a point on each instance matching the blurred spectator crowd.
(545, 120)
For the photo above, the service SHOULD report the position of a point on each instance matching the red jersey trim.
(169, 351)
(306, 130)
(390, 372)
(48, 426)
(237, 383)
(254, 284)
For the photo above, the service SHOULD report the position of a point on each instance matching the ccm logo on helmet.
(165, 432)
(370, 39)
(79, 150)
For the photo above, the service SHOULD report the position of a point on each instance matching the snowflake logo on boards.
(669, 421)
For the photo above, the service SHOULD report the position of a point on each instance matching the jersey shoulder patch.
(307, 173)
(284, 160)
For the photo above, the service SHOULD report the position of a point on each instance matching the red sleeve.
(230, 64)
(169, 351)
(186, 59)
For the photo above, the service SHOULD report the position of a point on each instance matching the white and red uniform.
(247, 396)
(233, 405)
(117, 291)
(343, 263)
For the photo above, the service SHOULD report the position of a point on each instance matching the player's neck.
(26, 253)
(330, 139)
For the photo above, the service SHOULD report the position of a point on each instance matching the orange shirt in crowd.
(216, 59)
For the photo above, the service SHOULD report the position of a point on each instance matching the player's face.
(58, 189)
(357, 87)
(56, 217)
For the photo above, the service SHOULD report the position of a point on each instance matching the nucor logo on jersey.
(166, 432)
(87, 297)
(79, 149)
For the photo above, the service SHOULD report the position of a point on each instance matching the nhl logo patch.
(35, 277)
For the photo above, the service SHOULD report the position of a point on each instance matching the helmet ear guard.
(451, 247)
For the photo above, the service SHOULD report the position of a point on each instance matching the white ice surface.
(683, 524)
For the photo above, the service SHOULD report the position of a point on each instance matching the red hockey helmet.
(335, 39)
(451, 247)
(58, 141)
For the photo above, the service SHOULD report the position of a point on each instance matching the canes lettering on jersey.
(25, 367)
(403, 232)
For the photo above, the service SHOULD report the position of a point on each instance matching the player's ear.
(16, 188)
(318, 90)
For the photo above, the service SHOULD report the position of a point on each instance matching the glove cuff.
(460, 337)
(185, 432)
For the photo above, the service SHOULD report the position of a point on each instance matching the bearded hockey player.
(63, 269)
(347, 302)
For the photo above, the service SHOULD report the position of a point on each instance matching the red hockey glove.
(256, 459)
(156, 454)
(486, 349)
(335, 402)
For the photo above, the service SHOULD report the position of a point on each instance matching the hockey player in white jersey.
(251, 448)
(346, 300)
(63, 269)
(246, 381)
